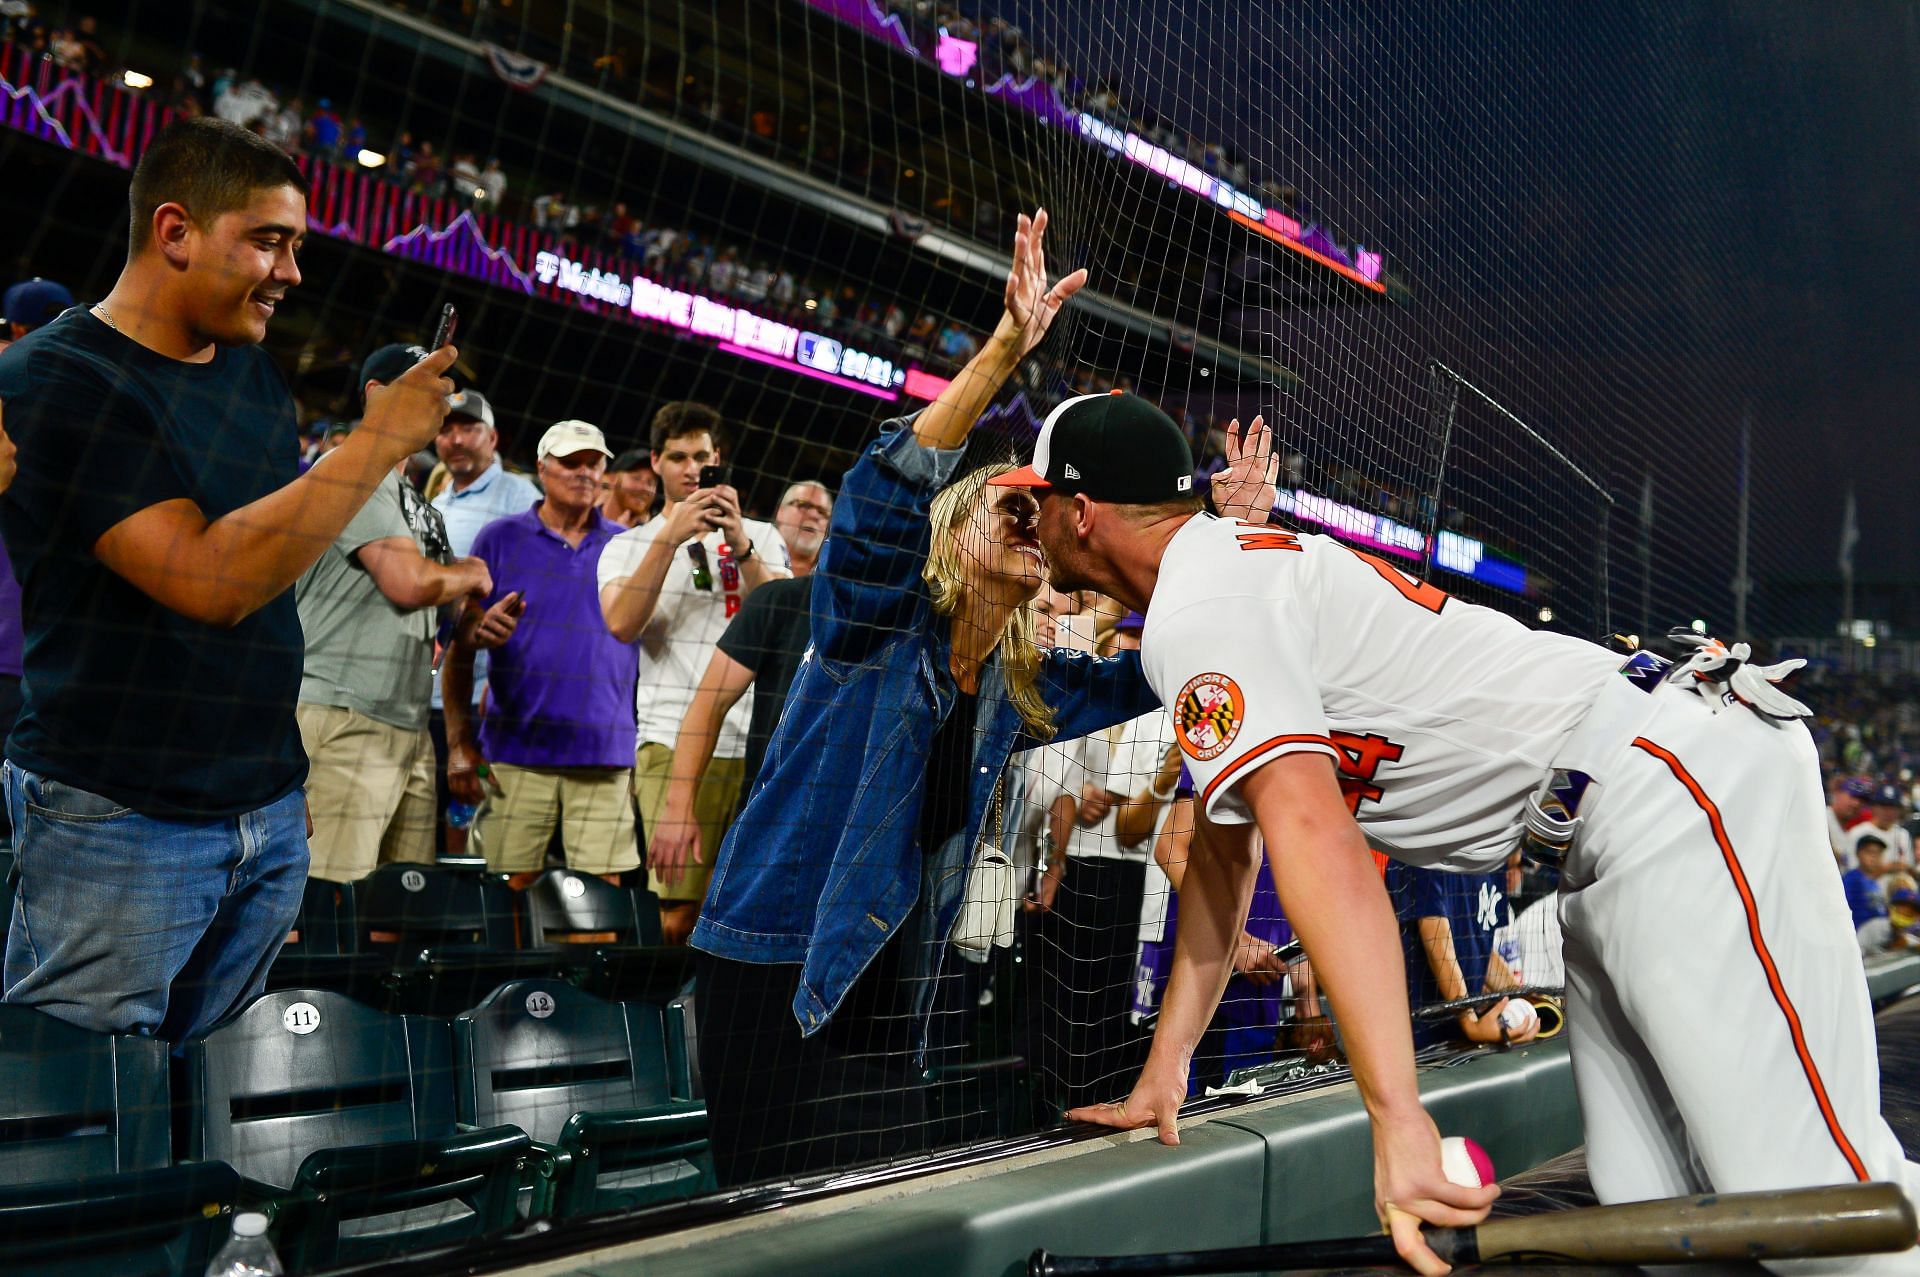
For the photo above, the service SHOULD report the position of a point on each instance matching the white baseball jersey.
(1441, 716)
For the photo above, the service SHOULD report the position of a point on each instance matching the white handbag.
(993, 892)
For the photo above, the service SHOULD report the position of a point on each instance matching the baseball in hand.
(1518, 1016)
(1465, 1162)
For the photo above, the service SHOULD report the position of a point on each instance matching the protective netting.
(1487, 274)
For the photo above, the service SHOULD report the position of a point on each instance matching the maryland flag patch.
(1208, 715)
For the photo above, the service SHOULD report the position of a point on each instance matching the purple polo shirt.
(560, 692)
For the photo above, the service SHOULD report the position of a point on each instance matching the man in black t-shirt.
(156, 524)
(761, 648)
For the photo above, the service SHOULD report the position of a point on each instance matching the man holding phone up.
(673, 583)
(556, 742)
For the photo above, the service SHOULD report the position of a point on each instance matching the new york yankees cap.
(1113, 447)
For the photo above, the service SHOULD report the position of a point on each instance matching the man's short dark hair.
(677, 420)
(208, 166)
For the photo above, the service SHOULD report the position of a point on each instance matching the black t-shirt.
(769, 636)
(173, 718)
(943, 804)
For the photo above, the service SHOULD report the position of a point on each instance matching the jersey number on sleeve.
(1430, 597)
(1360, 758)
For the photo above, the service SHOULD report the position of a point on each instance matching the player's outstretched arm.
(1333, 896)
(1215, 893)
(1031, 307)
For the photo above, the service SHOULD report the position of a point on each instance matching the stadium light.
(135, 80)
(812, 304)
(371, 159)
(1546, 614)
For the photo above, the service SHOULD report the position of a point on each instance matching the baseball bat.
(1798, 1223)
(1480, 1001)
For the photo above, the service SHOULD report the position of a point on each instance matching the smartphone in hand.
(715, 476)
(443, 332)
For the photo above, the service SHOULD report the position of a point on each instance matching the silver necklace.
(106, 316)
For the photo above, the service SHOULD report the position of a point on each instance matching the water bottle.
(247, 1253)
(461, 815)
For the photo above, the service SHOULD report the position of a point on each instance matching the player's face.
(998, 541)
(1055, 531)
(242, 264)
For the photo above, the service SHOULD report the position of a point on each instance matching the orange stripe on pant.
(1760, 950)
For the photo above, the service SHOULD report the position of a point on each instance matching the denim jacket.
(824, 863)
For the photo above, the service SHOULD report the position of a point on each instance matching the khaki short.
(369, 790)
(591, 806)
(713, 805)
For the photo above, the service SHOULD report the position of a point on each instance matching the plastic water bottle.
(460, 814)
(247, 1253)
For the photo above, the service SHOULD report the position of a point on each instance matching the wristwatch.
(745, 554)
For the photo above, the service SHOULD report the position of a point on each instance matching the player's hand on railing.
(1411, 1188)
(1246, 489)
(1031, 304)
(1155, 1101)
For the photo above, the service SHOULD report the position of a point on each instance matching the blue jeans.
(127, 924)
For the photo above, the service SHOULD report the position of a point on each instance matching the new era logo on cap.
(1113, 447)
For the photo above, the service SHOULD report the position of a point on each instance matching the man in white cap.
(555, 747)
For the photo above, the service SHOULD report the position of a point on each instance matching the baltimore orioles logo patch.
(1208, 715)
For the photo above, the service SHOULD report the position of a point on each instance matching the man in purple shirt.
(555, 747)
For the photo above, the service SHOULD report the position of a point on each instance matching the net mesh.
(1486, 274)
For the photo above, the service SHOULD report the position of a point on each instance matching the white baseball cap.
(564, 438)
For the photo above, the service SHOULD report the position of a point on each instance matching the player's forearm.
(1333, 896)
(1060, 821)
(627, 605)
(946, 422)
(456, 692)
(1215, 893)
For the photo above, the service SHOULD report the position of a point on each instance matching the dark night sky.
(1627, 221)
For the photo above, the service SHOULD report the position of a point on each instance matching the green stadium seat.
(84, 1151)
(323, 951)
(589, 1080)
(343, 1122)
(164, 1222)
(616, 930)
(452, 933)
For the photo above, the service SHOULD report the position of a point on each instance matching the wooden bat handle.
(1846, 1219)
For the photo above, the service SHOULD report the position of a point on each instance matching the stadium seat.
(164, 1222)
(84, 1147)
(589, 1080)
(452, 934)
(683, 1049)
(323, 951)
(616, 930)
(342, 1120)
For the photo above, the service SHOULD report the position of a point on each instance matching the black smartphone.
(449, 320)
(714, 476)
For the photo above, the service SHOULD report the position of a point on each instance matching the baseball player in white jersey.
(1319, 691)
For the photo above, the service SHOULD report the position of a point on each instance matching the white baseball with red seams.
(1700, 865)
(1465, 1162)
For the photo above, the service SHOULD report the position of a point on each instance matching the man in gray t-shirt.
(368, 611)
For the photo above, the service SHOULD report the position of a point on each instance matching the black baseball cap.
(389, 362)
(1113, 447)
(631, 459)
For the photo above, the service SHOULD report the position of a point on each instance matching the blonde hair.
(946, 579)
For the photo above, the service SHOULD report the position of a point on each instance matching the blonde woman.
(824, 933)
